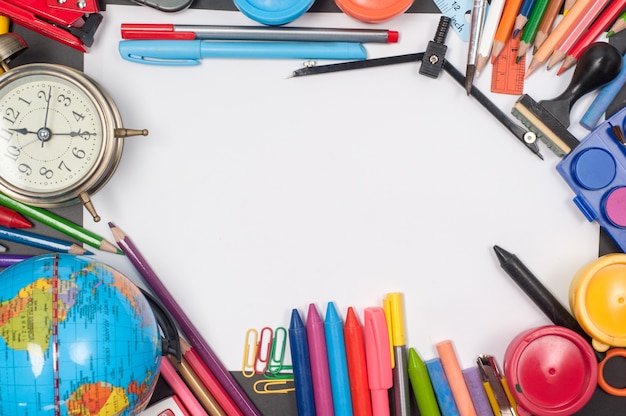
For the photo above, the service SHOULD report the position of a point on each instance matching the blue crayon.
(337, 362)
(443, 393)
(301, 366)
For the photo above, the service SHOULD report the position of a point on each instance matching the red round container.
(551, 371)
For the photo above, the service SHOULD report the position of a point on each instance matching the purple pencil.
(7, 260)
(318, 356)
(194, 337)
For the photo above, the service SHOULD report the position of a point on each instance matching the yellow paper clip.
(249, 353)
(263, 350)
(268, 386)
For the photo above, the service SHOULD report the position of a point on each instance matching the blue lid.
(273, 12)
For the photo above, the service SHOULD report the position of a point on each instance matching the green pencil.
(61, 224)
(618, 26)
(531, 28)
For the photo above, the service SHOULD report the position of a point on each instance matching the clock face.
(51, 133)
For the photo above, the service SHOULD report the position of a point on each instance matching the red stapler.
(73, 23)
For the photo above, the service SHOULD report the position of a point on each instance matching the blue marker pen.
(298, 343)
(189, 52)
(337, 362)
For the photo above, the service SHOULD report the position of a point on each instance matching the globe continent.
(77, 337)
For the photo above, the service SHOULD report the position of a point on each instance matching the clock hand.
(23, 131)
(44, 129)
(78, 133)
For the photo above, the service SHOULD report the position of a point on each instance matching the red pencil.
(12, 219)
(357, 365)
(600, 25)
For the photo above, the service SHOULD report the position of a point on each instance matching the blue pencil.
(522, 16)
(40, 241)
(298, 343)
(443, 393)
(337, 362)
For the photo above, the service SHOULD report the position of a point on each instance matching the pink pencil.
(602, 23)
(318, 356)
(181, 390)
(576, 32)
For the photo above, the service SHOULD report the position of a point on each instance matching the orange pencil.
(547, 21)
(576, 32)
(561, 29)
(505, 28)
(602, 23)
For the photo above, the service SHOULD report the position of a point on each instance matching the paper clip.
(249, 353)
(263, 350)
(267, 386)
(276, 366)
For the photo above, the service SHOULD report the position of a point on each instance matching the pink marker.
(318, 356)
(378, 356)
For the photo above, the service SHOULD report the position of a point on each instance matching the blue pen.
(443, 393)
(337, 362)
(189, 52)
(302, 377)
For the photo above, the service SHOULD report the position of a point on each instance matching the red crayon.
(12, 219)
(357, 365)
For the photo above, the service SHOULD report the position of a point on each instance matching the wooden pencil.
(547, 22)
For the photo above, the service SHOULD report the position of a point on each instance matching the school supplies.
(190, 52)
(549, 119)
(157, 31)
(41, 241)
(225, 378)
(71, 23)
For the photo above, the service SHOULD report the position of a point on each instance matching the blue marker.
(190, 52)
(443, 393)
(337, 362)
(301, 366)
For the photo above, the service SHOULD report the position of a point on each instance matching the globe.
(77, 337)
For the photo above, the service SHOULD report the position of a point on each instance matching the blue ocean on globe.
(77, 337)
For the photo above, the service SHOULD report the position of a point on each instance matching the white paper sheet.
(256, 193)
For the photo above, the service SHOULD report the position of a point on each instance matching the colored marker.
(401, 398)
(153, 31)
(454, 375)
(322, 391)
(377, 354)
(422, 386)
(302, 377)
(443, 393)
(190, 52)
(337, 362)
(357, 365)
